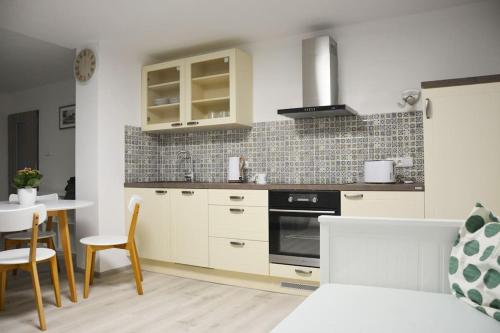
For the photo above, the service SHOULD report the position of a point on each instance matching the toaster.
(379, 171)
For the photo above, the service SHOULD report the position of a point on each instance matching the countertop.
(253, 186)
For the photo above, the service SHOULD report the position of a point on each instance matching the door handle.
(236, 210)
(176, 124)
(301, 271)
(427, 111)
(353, 196)
(161, 192)
(187, 192)
(237, 243)
(192, 123)
(236, 197)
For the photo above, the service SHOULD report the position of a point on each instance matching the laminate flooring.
(169, 304)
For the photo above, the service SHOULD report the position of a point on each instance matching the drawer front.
(294, 272)
(239, 222)
(383, 204)
(239, 255)
(238, 197)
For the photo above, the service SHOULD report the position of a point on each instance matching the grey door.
(23, 143)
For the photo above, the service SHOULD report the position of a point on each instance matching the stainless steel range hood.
(319, 81)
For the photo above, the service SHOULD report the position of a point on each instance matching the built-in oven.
(294, 226)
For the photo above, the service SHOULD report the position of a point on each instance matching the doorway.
(22, 142)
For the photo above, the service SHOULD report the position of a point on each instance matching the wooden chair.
(97, 243)
(21, 239)
(22, 218)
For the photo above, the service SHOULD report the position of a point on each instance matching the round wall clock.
(85, 63)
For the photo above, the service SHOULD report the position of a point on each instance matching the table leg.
(68, 258)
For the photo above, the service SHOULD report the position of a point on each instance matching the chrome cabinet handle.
(176, 124)
(353, 196)
(427, 108)
(301, 271)
(187, 192)
(237, 243)
(192, 123)
(161, 192)
(236, 210)
(236, 197)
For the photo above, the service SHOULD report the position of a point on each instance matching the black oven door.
(294, 237)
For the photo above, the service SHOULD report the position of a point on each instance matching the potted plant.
(27, 180)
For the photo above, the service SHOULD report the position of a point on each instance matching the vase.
(26, 196)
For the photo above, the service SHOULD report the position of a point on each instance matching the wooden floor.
(169, 304)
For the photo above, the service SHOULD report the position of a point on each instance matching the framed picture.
(67, 116)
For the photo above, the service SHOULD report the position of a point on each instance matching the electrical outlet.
(403, 162)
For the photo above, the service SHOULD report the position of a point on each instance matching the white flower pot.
(27, 196)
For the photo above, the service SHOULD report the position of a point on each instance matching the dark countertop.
(253, 186)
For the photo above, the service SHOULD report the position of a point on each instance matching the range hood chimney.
(319, 81)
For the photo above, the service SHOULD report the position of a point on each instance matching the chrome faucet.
(187, 161)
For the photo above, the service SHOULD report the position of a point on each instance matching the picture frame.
(67, 116)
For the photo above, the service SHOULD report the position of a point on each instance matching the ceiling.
(26, 62)
(154, 26)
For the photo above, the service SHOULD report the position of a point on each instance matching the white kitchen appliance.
(379, 171)
(236, 169)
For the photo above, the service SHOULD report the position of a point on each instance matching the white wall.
(377, 60)
(5, 109)
(56, 147)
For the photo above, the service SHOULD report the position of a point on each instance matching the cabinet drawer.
(294, 272)
(239, 255)
(239, 222)
(382, 204)
(238, 197)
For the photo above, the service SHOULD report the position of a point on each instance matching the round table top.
(52, 205)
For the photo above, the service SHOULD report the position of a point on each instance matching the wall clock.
(85, 63)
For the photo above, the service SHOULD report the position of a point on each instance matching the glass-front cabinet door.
(163, 95)
(210, 91)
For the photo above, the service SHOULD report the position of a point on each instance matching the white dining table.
(59, 209)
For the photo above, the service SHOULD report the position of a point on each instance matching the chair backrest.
(133, 207)
(21, 218)
(40, 198)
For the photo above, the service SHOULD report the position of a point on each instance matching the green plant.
(27, 177)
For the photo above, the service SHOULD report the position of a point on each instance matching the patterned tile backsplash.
(310, 151)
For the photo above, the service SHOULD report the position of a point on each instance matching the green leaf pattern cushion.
(474, 266)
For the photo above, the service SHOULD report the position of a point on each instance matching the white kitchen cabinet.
(239, 255)
(382, 204)
(154, 229)
(462, 156)
(190, 226)
(239, 222)
(294, 272)
(207, 91)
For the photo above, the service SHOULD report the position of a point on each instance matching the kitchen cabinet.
(154, 227)
(207, 91)
(462, 159)
(239, 255)
(190, 226)
(383, 204)
(294, 272)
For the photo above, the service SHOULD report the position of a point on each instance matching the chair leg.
(92, 268)
(3, 285)
(55, 280)
(17, 246)
(135, 267)
(138, 260)
(88, 264)
(51, 245)
(38, 296)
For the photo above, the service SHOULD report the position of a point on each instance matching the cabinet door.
(153, 231)
(211, 89)
(190, 226)
(461, 140)
(382, 204)
(163, 95)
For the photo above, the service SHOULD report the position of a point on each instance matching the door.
(190, 226)
(23, 143)
(153, 231)
(461, 144)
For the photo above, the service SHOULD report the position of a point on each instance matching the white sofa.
(385, 275)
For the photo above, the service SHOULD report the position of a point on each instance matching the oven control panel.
(303, 197)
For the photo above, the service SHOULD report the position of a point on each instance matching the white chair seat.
(21, 256)
(104, 240)
(26, 235)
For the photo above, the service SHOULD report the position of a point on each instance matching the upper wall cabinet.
(207, 91)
